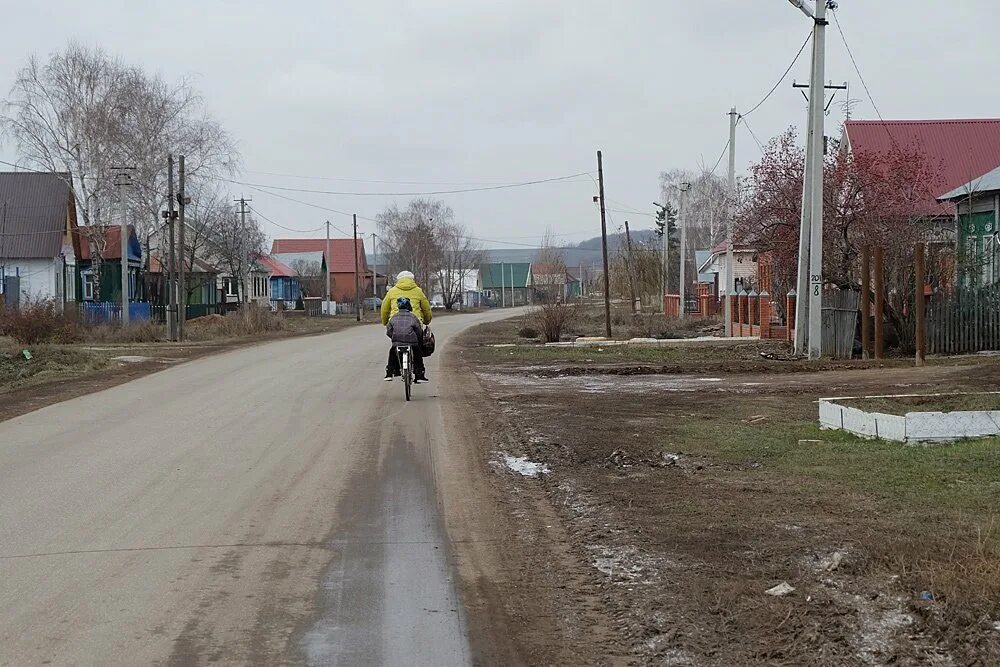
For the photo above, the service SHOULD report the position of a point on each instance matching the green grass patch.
(963, 476)
(47, 363)
(900, 405)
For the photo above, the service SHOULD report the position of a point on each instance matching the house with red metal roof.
(960, 149)
(340, 256)
(106, 242)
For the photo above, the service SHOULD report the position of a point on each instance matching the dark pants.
(418, 361)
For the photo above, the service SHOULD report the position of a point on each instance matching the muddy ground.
(665, 504)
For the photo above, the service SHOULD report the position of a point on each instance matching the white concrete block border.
(913, 426)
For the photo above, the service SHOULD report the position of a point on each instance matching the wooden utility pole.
(181, 280)
(244, 264)
(879, 304)
(865, 302)
(374, 273)
(918, 269)
(604, 247)
(357, 272)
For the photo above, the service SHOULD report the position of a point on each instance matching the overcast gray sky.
(464, 91)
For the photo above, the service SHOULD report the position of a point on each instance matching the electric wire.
(783, 76)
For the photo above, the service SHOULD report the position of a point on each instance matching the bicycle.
(405, 367)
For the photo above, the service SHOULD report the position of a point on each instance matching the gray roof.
(988, 182)
(701, 258)
(33, 210)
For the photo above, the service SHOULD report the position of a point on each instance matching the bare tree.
(64, 115)
(412, 236)
(460, 256)
(311, 276)
(81, 113)
(237, 246)
(555, 311)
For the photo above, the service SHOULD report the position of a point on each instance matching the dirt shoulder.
(56, 373)
(668, 502)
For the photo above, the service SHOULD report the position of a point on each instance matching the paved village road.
(274, 504)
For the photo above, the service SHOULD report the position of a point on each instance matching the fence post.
(865, 303)
(764, 309)
(918, 266)
(790, 316)
(879, 304)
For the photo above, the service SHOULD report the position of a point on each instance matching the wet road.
(272, 504)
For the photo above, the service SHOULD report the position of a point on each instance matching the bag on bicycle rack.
(428, 347)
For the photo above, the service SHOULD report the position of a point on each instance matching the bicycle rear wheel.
(407, 367)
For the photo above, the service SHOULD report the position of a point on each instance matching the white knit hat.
(403, 274)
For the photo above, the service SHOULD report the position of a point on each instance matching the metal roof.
(493, 276)
(960, 149)
(340, 258)
(276, 268)
(33, 213)
(988, 182)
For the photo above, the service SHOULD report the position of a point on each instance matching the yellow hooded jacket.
(406, 287)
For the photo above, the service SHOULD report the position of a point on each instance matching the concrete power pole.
(604, 247)
(730, 278)
(172, 270)
(244, 264)
(357, 272)
(816, 104)
(326, 259)
(374, 274)
(123, 180)
(809, 286)
(682, 222)
(181, 279)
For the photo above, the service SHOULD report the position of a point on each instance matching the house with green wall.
(100, 280)
(506, 284)
(978, 229)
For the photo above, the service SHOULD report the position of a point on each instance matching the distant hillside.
(587, 253)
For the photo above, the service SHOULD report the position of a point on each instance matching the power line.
(785, 74)
(378, 181)
(288, 229)
(858, 70)
(725, 149)
(403, 194)
(750, 130)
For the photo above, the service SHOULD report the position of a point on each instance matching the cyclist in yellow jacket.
(405, 290)
(406, 286)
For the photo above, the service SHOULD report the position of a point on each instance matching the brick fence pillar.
(764, 310)
(790, 316)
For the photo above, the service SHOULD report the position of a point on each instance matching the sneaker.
(421, 379)
(388, 376)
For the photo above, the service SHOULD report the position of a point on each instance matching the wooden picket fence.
(964, 322)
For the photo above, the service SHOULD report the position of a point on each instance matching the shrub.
(39, 322)
(251, 320)
(553, 318)
(138, 332)
(527, 331)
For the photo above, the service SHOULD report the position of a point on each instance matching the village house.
(285, 288)
(978, 225)
(37, 219)
(505, 284)
(107, 287)
(340, 257)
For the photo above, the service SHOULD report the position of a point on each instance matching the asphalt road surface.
(274, 504)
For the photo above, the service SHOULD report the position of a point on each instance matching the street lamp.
(682, 223)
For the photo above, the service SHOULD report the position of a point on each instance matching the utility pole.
(357, 272)
(604, 247)
(682, 221)
(629, 266)
(181, 281)
(809, 310)
(665, 254)
(503, 293)
(374, 273)
(244, 268)
(123, 180)
(172, 271)
(730, 282)
(326, 260)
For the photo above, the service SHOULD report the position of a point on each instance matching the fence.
(158, 313)
(964, 321)
(840, 322)
(105, 312)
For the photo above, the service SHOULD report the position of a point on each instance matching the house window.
(229, 286)
(88, 286)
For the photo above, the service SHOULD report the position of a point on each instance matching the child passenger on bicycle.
(405, 329)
